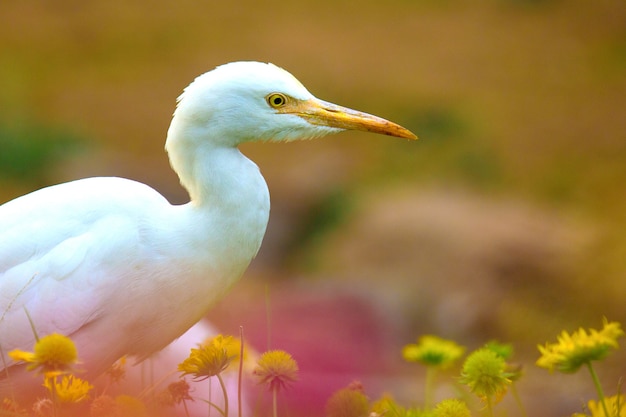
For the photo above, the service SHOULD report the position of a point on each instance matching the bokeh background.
(506, 220)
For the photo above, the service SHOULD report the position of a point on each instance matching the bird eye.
(276, 100)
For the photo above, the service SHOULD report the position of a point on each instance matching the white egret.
(110, 263)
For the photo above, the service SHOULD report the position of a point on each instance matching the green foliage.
(450, 148)
(29, 150)
(324, 217)
(327, 215)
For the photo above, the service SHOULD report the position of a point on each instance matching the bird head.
(252, 101)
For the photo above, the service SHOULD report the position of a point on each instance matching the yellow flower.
(205, 362)
(433, 351)
(53, 353)
(484, 372)
(452, 408)
(581, 347)
(277, 369)
(225, 342)
(70, 390)
(505, 351)
(212, 357)
(348, 402)
(616, 406)
(387, 407)
(231, 344)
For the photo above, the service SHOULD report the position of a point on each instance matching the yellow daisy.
(350, 401)
(70, 390)
(433, 351)
(277, 369)
(485, 373)
(53, 353)
(452, 408)
(205, 362)
(615, 405)
(581, 347)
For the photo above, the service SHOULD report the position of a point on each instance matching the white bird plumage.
(112, 264)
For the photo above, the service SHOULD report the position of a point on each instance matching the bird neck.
(217, 174)
(228, 194)
(230, 201)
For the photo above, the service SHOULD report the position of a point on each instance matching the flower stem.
(596, 382)
(186, 409)
(274, 391)
(53, 392)
(429, 386)
(518, 400)
(240, 370)
(268, 316)
(210, 399)
(219, 378)
(489, 407)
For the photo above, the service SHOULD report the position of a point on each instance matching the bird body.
(85, 274)
(112, 264)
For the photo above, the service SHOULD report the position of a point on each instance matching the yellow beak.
(322, 113)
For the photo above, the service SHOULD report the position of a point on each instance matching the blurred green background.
(507, 219)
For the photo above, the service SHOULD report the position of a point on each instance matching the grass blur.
(519, 106)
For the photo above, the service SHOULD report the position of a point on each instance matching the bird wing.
(64, 253)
